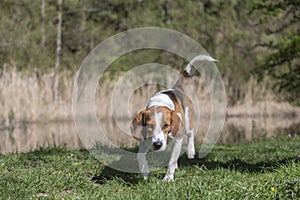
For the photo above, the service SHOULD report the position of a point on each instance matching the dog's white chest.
(160, 99)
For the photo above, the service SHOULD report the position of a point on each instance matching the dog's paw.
(145, 175)
(145, 170)
(168, 178)
(191, 155)
(190, 152)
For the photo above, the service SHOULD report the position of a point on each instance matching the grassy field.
(261, 169)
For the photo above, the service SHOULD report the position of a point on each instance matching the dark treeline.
(259, 38)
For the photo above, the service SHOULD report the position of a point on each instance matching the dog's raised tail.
(190, 69)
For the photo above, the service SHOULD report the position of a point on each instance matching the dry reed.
(29, 97)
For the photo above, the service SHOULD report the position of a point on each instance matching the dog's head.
(157, 123)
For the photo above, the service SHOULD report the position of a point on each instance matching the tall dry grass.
(30, 97)
(261, 101)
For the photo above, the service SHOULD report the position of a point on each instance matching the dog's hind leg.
(189, 131)
(190, 150)
(144, 147)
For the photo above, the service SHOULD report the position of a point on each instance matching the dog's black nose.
(157, 145)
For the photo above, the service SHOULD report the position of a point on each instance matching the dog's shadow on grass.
(108, 174)
(236, 164)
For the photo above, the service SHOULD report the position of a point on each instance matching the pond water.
(27, 137)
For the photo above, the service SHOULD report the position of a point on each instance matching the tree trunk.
(43, 15)
(58, 49)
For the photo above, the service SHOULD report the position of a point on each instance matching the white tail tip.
(203, 58)
(200, 58)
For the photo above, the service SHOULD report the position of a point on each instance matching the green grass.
(262, 169)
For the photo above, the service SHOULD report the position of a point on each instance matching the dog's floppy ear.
(176, 125)
(137, 125)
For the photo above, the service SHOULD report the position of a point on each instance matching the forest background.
(43, 43)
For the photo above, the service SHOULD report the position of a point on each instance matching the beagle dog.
(168, 113)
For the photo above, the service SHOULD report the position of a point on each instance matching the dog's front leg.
(173, 161)
(141, 157)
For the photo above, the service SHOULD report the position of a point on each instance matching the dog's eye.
(165, 126)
